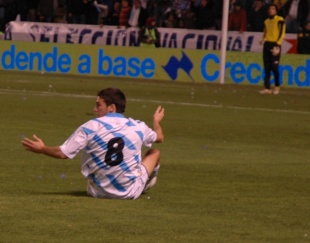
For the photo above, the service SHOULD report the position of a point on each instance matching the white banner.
(121, 36)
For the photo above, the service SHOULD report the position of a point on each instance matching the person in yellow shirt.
(274, 32)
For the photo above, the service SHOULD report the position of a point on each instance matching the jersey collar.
(114, 114)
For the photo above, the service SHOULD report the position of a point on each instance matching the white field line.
(51, 94)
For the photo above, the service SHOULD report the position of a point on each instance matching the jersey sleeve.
(75, 143)
(282, 30)
(264, 31)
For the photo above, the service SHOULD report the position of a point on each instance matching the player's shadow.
(70, 193)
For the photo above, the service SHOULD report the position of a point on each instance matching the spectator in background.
(92, 13)
(303, 44)
(257, 16)
(113, 16)
(32, 6)
(195, 3)
(150, 8)
(21, 10)
(308, 16)
(143, 3)
(232, 5)
(124, 13)
(170, 20)
(46, 10)
(76, 11)
(189, 18)
(178, 6)
(237, 20)
(218, 13)
(2, 20)
(10, 11)
(102, 10)
(205, 16)
(243, 3)
(60, 14)
(280, 4)
(138, 15)
(149, 35)
(295, 12)
(248, 5)
(180, 23)
(161, 8)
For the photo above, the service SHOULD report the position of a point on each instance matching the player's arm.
(262, 41)
(282, 30)
(157, 118)
(37, 146)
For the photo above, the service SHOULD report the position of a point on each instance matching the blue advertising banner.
(150, 63)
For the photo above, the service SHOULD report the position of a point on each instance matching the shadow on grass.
(71, 193)
(77, 194)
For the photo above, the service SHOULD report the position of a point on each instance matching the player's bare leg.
(150, 160)
(151, 163)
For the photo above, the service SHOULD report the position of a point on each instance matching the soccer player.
(112, 143)
(274, 32)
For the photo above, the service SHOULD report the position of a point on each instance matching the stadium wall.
(166, 64)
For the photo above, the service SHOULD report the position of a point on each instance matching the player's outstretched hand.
(159, 114)
(36, 145)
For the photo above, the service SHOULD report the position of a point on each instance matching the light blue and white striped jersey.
(112, 155)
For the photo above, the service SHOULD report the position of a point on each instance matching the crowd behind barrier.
(244, 15)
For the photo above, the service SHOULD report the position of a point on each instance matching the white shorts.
(133, 192)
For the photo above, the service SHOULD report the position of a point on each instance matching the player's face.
(101, 108)
(272, 11)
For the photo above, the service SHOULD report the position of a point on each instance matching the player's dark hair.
(114, 96)
(273, 5)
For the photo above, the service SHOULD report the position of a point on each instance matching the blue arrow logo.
(174, 65)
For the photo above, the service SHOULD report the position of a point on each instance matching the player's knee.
(153, 152)
(151, 157)
(156, 153)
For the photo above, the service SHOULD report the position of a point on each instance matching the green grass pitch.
(234, 168)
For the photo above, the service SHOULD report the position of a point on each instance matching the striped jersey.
(274, 30)
(112, 151)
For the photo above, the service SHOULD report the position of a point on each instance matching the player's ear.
(112, 108)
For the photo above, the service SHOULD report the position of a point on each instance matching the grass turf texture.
(235, 164)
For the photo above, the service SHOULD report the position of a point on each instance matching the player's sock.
(152, 179)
